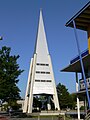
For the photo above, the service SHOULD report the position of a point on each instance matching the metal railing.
(77, 58)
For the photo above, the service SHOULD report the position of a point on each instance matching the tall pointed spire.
(41, 78)
(41, 43)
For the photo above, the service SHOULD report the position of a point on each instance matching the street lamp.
(1, 38)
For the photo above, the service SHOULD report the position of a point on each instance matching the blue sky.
(18, 26)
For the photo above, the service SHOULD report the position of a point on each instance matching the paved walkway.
(34, 118)
(3, 118)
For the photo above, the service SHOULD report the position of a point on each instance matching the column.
(89, 38)
(85, 104)
(25, 107)
(78, 107)
(30, 102)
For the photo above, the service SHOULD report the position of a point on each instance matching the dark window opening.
(37, 80)
(42, 64)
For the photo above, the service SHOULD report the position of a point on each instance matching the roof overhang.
(81, 18)
(76, 66)
(82, 93)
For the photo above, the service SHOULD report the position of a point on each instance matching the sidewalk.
(3, 118)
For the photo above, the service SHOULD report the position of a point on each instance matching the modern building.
(81, 20)
(41, 80)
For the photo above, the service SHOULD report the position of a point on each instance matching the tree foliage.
(9, 72)
(66, 100)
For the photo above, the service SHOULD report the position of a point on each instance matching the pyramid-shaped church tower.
(41, 78)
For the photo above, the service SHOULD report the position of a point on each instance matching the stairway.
(87, 117)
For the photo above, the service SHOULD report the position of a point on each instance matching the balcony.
(83, 54)
(82, 85)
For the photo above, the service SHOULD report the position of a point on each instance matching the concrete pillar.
(85, 104)
(48, 103)
(89, 38)
(25, 107)
(77, 89)
(30, 103)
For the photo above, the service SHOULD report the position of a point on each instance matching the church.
(41, 83)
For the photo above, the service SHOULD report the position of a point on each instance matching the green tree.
(9, 72)
(74, 99)
(65, 99)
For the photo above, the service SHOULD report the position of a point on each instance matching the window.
(37, 71)
(47, 72)
(42, 64)
(43, 81)
(42, 72)
(37, 80)
(47, 64)
(48, 80)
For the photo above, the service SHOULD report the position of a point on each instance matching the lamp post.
(1, 38)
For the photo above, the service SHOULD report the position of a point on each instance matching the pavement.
(3, 118)
(35, 118)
